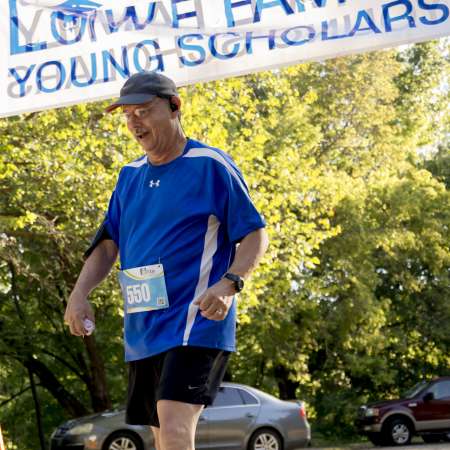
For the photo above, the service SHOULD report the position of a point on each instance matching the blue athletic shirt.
(188, 215)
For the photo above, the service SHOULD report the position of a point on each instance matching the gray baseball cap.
(143, 87)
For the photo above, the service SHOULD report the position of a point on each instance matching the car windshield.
(410, 393)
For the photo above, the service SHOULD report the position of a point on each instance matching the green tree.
(57, 171)
(383, 292)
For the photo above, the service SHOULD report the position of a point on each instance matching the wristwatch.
(237, 281)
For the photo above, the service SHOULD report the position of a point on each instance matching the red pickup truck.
(423, 410)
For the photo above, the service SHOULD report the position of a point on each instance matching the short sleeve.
(100, 236)
(112, 217)
(239, 213)
(109, 227)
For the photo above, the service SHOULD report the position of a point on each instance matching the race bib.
(144, 288)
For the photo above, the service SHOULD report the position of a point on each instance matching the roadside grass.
(319, 440)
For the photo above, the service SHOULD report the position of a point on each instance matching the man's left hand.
(215, 303)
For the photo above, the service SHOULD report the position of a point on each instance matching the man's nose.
(134, 121)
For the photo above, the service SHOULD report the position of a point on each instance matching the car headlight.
(84, 428)
(372, 412)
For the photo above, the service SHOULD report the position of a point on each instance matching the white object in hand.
(89, 326)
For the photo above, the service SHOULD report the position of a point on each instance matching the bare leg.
(157, 437)
(178, 422)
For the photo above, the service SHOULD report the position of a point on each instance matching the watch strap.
(236, 279)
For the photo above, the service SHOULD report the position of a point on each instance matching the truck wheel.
(399, 432)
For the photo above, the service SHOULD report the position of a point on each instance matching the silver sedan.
(241, 418)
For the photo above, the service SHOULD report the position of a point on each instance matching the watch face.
(237, 280)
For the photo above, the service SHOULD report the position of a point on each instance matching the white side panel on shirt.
(209, 248)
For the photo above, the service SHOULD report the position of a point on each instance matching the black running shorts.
(185, 374)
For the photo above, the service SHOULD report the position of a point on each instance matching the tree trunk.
(286, 387)
(37, 408)
(69, 402)
(97, 386)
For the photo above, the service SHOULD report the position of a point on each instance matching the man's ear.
(175, 103)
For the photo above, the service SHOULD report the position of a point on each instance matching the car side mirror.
(428, 397)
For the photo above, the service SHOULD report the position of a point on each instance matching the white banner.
(56, 53)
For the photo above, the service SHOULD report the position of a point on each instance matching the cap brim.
(132, 99)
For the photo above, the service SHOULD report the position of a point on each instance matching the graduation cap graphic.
(72, 6)
(79, 6)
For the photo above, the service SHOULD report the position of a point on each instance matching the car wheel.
(399, 432)
(123, 440)
(433, 438)
(265, 439)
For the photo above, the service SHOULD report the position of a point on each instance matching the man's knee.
(173, 431)
(177, 422)
(174, 426)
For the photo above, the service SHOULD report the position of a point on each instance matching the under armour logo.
(154, 183)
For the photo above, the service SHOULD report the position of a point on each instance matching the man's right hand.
(78, 309)
(95, 269)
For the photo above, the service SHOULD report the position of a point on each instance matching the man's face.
(151, 123)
